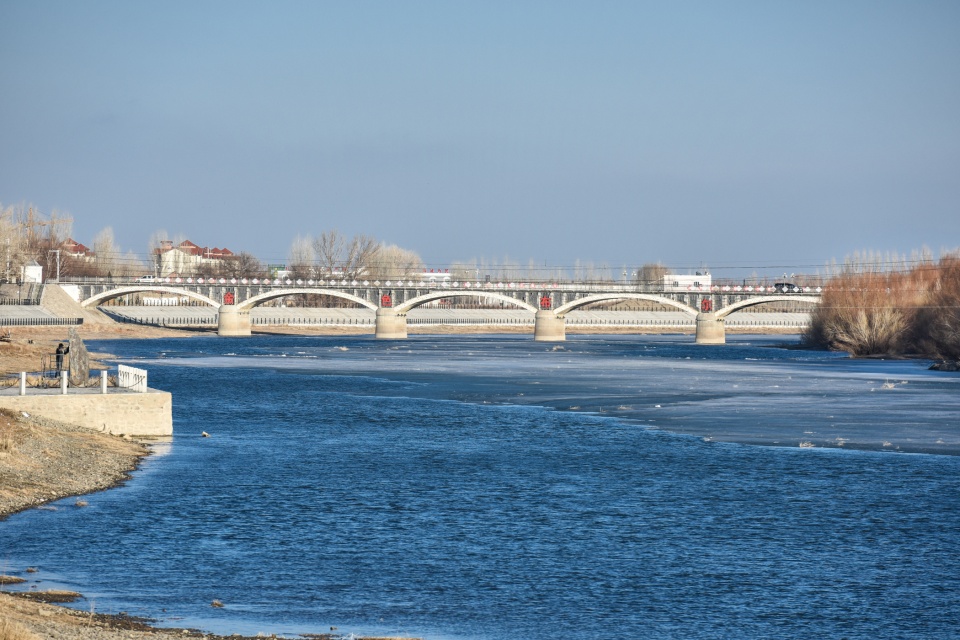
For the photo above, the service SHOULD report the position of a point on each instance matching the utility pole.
(56, 251)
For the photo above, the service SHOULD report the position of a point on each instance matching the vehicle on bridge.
(786, 287)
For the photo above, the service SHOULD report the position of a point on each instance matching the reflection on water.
(493, 487)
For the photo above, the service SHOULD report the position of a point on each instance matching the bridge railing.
(436, 284)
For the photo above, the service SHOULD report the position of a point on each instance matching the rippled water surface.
(466, 487)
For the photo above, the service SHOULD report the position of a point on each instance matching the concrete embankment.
(57, 301)
(139, 415)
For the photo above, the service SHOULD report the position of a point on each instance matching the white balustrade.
(132, 378)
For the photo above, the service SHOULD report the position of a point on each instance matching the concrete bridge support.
(233, 322)
(391, 325)
(710, 329)
(548, 327)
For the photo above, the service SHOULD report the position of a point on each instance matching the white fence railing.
(132, 378)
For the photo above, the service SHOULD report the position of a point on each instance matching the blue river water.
(490, 487)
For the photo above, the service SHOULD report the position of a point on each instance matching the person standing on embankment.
(61, 351)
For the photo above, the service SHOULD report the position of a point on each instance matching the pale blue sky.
(753, 134)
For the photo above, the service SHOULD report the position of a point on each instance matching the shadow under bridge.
(392, 320)
(233, 320)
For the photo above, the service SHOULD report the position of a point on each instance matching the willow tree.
(393, 262)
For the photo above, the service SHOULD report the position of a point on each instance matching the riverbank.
(43, 461)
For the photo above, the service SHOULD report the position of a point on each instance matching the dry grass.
(10, 630)
(9, 420)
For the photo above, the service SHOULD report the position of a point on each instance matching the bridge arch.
(752, 302)
(96, 300)
(439, 295)
(601, 297)
(250, 303)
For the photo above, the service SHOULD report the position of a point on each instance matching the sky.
(760, 135)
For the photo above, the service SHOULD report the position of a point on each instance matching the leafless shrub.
(865, 310)
(936, 329)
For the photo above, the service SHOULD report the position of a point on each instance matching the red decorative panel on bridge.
(228, 297)
(385, 301)
(545, 302)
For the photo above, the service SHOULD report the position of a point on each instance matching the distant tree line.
(27, 237)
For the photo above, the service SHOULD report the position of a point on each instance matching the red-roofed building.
(73, 248)
(188, 258)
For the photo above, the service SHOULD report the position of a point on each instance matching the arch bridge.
(390, 301)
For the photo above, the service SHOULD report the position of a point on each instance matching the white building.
(186, 258)
(32, 272)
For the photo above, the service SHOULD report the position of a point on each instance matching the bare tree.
(465, 270)
(26, 235)
(242, 265)
(650, 276)
(105, 253)
(13, 254)
(329, 248)
(361, 255)
(132, 265)
(301, 259)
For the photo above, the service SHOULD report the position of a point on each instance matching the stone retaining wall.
(141, 415)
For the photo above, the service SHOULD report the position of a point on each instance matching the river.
(463, 487)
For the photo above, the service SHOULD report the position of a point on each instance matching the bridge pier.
(710, 329)
(233, 322)
(391, 325)
(548, 327)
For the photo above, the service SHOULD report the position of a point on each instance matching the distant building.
(433, 276)
(76, 250)
(188, 258)
(278, 271)
(32, 272)
(675, 282)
